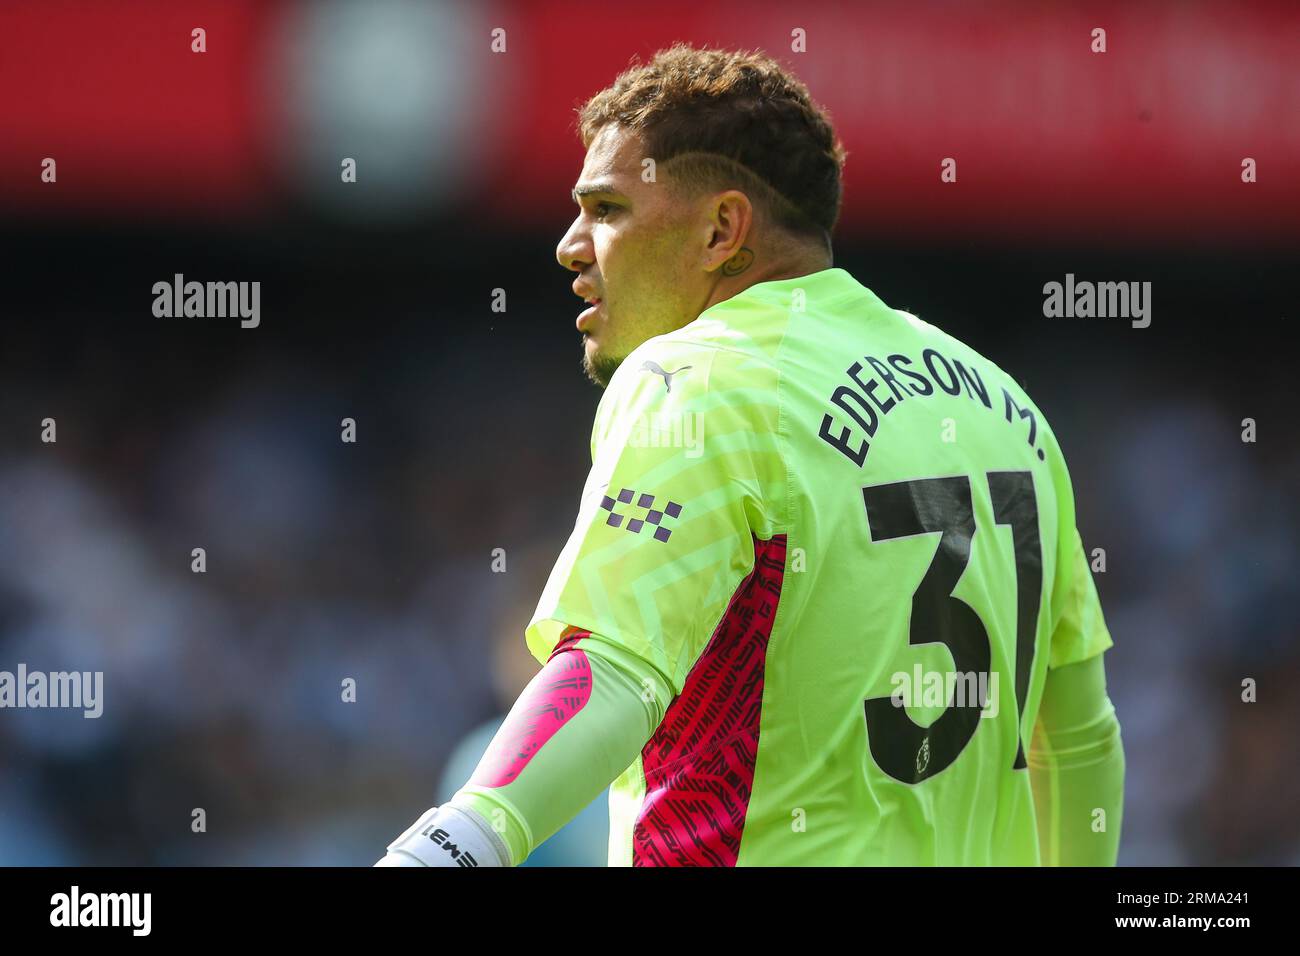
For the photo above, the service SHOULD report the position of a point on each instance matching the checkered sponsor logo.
(644, 502)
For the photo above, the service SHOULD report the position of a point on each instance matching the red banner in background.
(135, 121)
(1049, 139)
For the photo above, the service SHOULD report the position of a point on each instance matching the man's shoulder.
(692, 386)
(703, 357)
(949, 359)
(950, 348)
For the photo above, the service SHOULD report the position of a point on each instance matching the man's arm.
(580, 723)
(1076, 768)
(663, 538)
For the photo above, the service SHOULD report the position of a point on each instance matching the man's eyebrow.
(593, 189)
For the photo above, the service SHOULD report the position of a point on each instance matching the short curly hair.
(722, 119)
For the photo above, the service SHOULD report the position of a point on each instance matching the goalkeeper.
(797, 494)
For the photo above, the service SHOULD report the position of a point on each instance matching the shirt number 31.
(900, 747)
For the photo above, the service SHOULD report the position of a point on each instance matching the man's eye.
(601, 210)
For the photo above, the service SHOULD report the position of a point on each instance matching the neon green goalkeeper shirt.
(846, 542)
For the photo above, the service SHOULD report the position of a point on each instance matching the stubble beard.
(598, 368)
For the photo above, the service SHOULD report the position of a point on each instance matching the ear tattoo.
(739, 262)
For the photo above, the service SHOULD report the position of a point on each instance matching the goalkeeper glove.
(448, 836)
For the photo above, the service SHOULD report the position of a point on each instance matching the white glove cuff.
(450, 836)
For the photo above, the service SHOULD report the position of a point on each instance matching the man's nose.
(574, 250)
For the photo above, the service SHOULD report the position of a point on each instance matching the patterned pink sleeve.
(551, 699)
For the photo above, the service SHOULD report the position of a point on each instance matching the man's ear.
(731, 220)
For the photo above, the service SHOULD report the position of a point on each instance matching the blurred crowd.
(325, 561)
